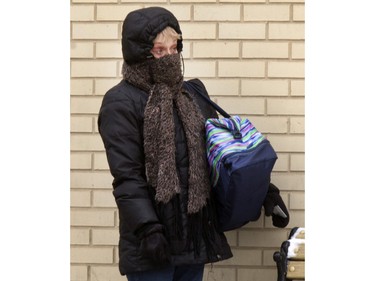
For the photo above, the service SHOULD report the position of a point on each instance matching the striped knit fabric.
(220, 141)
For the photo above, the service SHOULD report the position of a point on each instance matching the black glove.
(273, 198)
(153, 244)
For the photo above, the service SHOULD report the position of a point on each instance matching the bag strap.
(196, 89)
(235, 131)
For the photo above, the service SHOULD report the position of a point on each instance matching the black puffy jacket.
(121, 128)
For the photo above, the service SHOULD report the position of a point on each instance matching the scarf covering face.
(162, 79)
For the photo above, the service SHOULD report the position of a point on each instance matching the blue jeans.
(192, 272)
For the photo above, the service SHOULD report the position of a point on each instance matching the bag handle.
(196, 89)
(235, 132)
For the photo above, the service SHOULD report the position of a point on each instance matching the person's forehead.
(169, 41)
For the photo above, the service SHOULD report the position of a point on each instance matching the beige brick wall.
(250, 55)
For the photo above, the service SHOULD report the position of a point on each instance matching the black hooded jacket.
(120, 125)
(121, 128)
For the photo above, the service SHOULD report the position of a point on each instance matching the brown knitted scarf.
(162, 79)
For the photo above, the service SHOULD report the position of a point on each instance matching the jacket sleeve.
(120, 127)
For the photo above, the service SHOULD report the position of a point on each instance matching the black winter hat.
(141, 27)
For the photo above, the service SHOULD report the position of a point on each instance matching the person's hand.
(273, 198)
(154, 245)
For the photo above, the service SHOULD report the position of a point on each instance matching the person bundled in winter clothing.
(153, 131)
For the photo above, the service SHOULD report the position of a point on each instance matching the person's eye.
(159, 51)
